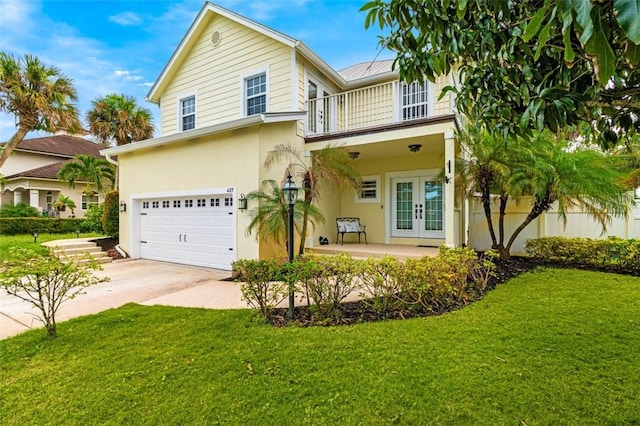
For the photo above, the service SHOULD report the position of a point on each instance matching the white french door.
(417, 207)
(320, 108)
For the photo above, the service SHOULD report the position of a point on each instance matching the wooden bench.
(350, 225)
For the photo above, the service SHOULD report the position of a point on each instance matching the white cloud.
(127, 19)
(16, 12)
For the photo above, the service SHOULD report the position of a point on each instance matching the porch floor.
(362, 251)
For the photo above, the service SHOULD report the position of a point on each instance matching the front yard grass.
(553, 346)
(26, 241)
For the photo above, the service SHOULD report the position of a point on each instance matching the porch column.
(449, 193)
(17, 197)
(34, 198)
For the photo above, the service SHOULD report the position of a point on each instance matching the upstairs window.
(187, 113)
(415, 100)
(256, 94)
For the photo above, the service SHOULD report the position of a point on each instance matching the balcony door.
(320, 108)
(417, 207)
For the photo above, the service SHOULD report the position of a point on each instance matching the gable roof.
(209, 9)
(49, 171)
(60, 146)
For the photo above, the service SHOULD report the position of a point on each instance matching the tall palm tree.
(269, 218)
(118, 117)
(91, 170)
(331, 165)
(39, 96)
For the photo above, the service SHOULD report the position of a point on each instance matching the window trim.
(84, 201)
(360, 200)
(179, 115)
(243, 84)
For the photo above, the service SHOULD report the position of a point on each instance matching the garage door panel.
(191, 230)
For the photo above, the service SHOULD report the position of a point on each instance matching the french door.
(417, 207)
(320, 108)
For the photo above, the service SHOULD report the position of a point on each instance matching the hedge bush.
(19, 210)
(613, 253)
(387, 285)
(29, 225)
(111, 214)
(93, 219)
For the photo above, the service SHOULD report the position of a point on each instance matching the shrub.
(328, 281)
(19, 210)
(261, 288)
(93, 219)
(612, 253)
(45, 282)
(29, 225)
(380, 282)
(111, 214)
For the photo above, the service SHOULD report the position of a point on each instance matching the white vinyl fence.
(579, 224)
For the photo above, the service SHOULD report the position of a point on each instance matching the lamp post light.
(290, 192)
(77, 233)
(35, 236)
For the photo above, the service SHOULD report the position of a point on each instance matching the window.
(188, 203)
(165, 204)
(370, 190)
(228, 202)
(415, 100)
(88, 200)
(256, 94)
(215, 202)
(201, 202)
(145, 204)
(176, 204)
(155, 204)
(49, 200)
(187, 113)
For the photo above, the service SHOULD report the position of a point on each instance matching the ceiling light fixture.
(354, 155)
(414, 147)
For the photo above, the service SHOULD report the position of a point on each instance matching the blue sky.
(122, 46)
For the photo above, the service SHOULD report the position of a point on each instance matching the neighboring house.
(30, 173)
(234, 89)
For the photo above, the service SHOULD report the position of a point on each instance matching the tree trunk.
(486, 203)
(534, 213)
(11, 145)
(503, 207)
(305, 217)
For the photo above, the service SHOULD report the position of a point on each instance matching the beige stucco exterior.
(226, 150)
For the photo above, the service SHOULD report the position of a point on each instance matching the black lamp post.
(290, 192)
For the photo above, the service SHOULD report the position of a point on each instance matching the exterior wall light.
(122, 207)
(242, 202)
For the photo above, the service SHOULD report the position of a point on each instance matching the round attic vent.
(215, 38)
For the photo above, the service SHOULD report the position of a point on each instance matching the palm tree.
(62, 203)
(88, 169)
(545, 170)
(269, 218)
(331, 165)
(40, 97)
(118, 117)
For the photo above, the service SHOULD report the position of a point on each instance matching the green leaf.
(534, 25)
(628, 16)
(569, 54)
(583, 17)
(598, 45)
(632, 53)
(542, 39)
(462, 8)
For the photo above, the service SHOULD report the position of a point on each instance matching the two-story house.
(232, 90)
(30, 174)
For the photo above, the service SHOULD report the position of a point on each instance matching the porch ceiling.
(431, 145)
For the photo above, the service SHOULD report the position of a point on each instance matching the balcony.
(374, 106)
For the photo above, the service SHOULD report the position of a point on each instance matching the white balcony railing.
(372, 106)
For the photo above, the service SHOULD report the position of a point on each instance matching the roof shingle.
(60, 145)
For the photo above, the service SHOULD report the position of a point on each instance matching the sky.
(108, 46)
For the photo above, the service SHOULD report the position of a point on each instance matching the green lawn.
(549, 347)
(8, 241)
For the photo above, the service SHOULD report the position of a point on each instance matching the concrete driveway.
(140, 281)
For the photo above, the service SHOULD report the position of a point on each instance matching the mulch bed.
(360, 312)
(109, 245)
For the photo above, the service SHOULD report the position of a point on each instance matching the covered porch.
(363, 251)
(407, 197)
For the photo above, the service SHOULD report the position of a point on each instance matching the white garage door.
(196, 230)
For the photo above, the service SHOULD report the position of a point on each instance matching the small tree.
(110, 215)
(46, 282)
